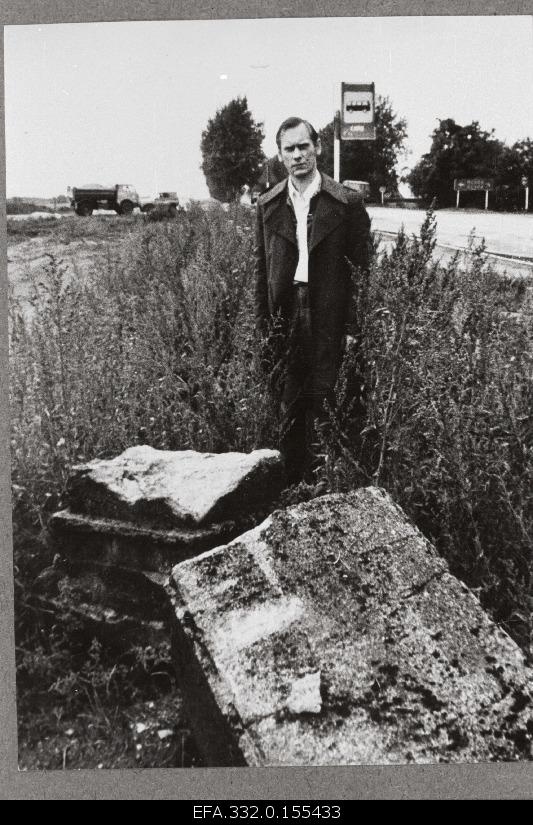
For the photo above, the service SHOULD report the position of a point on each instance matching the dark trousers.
(302, 406)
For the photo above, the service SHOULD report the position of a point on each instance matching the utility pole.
(337, 147)
(525, 183)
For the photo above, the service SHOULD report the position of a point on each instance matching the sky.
(127, 102)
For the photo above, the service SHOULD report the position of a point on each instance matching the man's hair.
(291, 123)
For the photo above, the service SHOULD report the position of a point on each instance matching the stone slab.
(114, 542)
(333, 634)
(170, 489)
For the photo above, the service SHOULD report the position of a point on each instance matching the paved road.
(505, 234)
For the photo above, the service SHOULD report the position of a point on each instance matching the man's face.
(298, 153)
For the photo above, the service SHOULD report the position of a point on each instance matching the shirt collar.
(311, 190)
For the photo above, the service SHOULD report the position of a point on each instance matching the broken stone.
(132, 518)
(167, 489)
(334, 634)
(114, 543)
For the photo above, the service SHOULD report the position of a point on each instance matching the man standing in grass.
(309, 230)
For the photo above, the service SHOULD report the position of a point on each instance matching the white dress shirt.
(301, 201)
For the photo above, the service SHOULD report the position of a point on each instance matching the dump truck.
(122, 198)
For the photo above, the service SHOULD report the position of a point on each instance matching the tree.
(456, 152)
(231, 150)
(374, 161)
(523, 152)
(515, 163)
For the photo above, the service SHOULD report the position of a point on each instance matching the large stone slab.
(169, 489)
(333, 634)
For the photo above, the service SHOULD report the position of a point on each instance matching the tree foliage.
(231, 150)
(516, 162)
(470, 152)
(374, 161)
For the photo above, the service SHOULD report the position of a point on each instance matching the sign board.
(473, 184)
(358, 111)
(524, 181)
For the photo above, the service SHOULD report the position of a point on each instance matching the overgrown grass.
(83, 704)
(158, 348)
(445, 369)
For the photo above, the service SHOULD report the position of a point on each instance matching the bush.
(157, 350)
(445, 362)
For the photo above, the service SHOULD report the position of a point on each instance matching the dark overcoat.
(339, 233)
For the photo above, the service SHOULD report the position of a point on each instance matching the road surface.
(508, 237)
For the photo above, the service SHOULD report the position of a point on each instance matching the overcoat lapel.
(330, 211)
(280, 220)
(329, 214)
(278, 214)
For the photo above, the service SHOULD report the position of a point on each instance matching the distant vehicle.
(122, 198)
(361, 186)
(165, 205)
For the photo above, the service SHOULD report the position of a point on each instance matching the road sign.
(473, 184)
(524, 181)
(357, 111)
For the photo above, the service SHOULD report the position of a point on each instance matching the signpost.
(525, 184)
(382, 189)
(473, 185)
(356, 119)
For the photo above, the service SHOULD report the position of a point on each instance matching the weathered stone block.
(334, 634)
(113, 542)
(166, 489)
(134, 517)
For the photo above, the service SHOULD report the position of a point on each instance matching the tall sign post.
(525, 184)
(356, 119)
(337, 147)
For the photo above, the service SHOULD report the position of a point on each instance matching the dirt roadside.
(32, 247)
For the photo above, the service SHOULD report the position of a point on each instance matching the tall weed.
(445, 367)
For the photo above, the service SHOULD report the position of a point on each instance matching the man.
(308, 228)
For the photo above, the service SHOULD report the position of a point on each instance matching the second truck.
(122, 198)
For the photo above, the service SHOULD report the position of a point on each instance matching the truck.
(165, 205)
(122, 198)
(361, 186)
